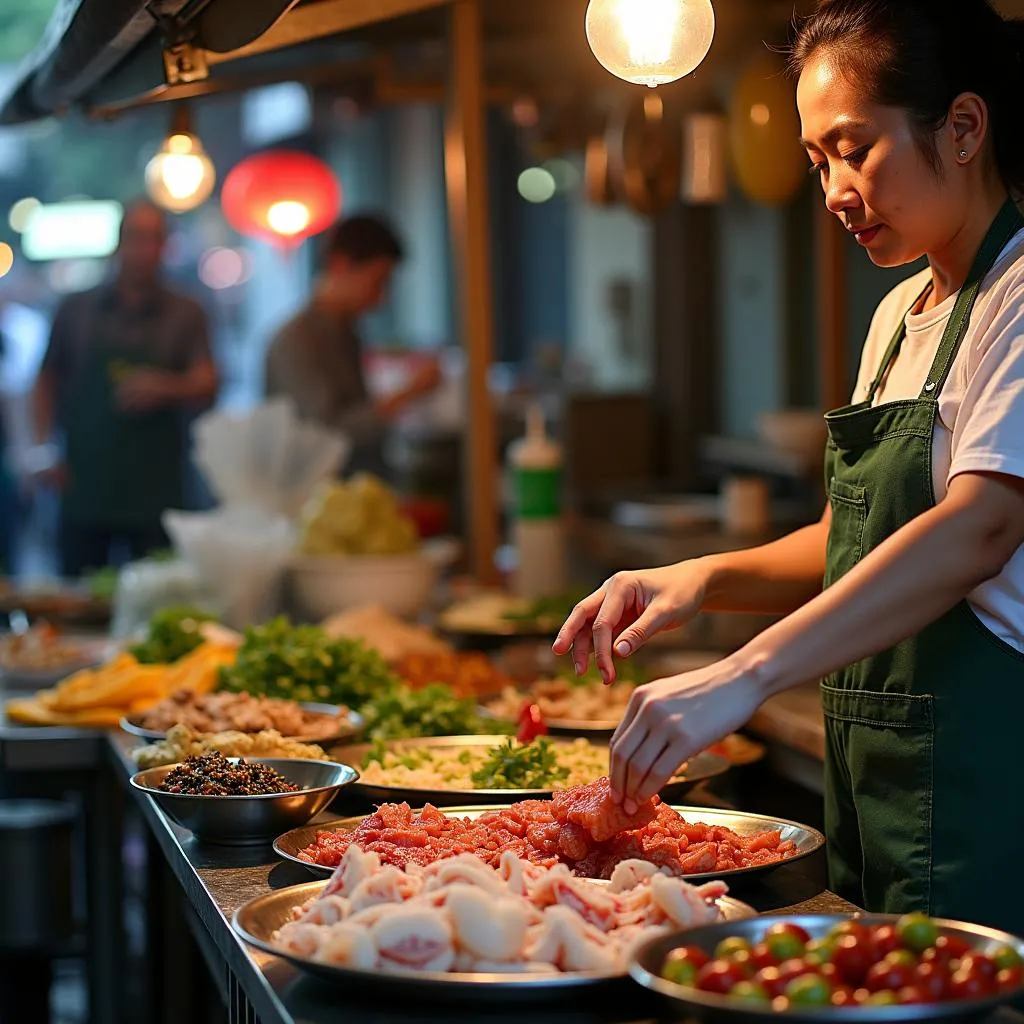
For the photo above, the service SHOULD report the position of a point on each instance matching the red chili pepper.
(531, 724)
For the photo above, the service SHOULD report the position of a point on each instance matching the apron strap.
(1007, 223)
(894, 347)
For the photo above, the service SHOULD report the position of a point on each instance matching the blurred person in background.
(125, 363)
(316, 358)
(23, 332)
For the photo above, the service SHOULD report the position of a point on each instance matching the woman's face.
(875, 178)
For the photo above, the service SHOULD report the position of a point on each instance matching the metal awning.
(106, 55)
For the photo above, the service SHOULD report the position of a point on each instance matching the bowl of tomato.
(835, 968)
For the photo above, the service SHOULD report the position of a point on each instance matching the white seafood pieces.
(460, 915)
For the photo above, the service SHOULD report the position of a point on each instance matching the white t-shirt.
(981, 408)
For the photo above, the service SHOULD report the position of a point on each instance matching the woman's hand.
(628, 610)
(670, 720)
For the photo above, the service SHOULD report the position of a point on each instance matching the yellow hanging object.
(764, 132)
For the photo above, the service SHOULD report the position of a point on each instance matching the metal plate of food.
(332, 723)
(691, 1003)
(420, 779)
(258, 920)
(805, 839)
(31, 662)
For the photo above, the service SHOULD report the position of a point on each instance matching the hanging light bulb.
(650, 42)
(181, 175)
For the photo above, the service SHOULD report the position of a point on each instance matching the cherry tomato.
(770, 980)
(819, 951)
(809, 990)
(828, 971)
(885, 939)
(970, 985)
(912, 994)
(1006, 958)
(952, 946)
(884, 975)
(784, 945)
(719, 977)
(749, 992)
(917, 932)
(741, 960)
(903, 957)
(850, 927)
(861, 996)
(780, 1004)
(1010, 978)
(681, 965)
(843, 995)
(761, 956)
(933, 979)
(884, 997)
(789, 928)
(790, 969)
(853, 958)
(727, 947)
(979, 963)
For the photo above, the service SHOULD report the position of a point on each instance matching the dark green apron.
(923, 805)
(124, 469)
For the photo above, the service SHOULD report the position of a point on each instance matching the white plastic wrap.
(262, 467)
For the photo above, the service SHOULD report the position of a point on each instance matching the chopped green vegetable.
(173, 633)
(531, 766)
(548, 611)
(102, 583)
(302, 663)
(399, 712)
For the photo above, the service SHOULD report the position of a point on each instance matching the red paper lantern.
(283, 196)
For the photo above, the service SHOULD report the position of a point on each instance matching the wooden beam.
(465, 158)
(326, 18)
(834, 384)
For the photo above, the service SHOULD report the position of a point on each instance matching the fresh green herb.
(399, 712)
(102, 583)
(548, 612)
(302, 663)
(531, 766)
(626, 671)
(173, 633)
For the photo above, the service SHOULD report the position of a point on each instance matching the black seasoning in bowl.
(214, 775)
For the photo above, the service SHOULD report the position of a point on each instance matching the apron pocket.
(884, 743)
(846, 535)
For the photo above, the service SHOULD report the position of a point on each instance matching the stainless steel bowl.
(646, 963)
(245, 820)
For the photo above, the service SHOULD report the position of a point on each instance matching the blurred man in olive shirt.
(124, 362)
(316, 358)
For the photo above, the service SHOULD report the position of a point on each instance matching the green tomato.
(749, 992)
(820, 951)
(809, 990)
(1006, 958)
(917, 932)
(884, 998)
(784, 946)
(727, 948)
(901, 958)
(680, 970)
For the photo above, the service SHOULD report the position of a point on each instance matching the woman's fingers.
(575, 632)
(631, 639)
(666, 765)
(625, 742)
(619, 594)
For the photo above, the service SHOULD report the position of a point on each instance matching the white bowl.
(321, 585)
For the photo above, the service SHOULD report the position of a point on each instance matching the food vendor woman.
(913, 120)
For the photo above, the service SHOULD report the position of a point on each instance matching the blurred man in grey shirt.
(316, 358)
